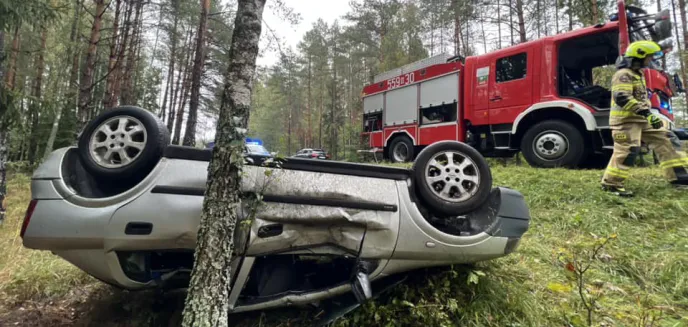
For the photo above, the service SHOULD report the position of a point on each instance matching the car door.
(511, 85)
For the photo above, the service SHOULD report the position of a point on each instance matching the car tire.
(401, 150)
(468, 170)
(554, 143)
(123, 143)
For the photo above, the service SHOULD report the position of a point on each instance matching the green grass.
(26, 274)
(645, 267)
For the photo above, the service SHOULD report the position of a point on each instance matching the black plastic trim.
(320, 166)
(179, 190)
(138, 228)
(187, 153)
(291, 199)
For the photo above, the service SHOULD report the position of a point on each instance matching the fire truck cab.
(548, 98)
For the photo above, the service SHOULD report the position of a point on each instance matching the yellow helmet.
(642, 49)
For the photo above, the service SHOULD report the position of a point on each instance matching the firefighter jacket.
(629, 96)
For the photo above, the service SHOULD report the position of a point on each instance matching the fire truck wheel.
(401, 149)
(554, 143)
(452, 178)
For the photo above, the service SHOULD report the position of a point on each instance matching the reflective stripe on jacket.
(629, 95)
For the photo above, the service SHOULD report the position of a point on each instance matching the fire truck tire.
(554, 143)
(401, 149)
(452, 178)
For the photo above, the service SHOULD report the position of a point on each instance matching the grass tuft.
(27, 274)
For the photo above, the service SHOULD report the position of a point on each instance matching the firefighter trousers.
(627, 139)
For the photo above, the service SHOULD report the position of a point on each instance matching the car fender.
(582, 111)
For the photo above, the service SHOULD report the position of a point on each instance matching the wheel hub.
(400, 152)
(452, 176)
(118, 141)
(550, 145)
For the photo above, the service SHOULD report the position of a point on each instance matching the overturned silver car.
(124, 206)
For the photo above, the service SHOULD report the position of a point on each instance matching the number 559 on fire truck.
(536, 97)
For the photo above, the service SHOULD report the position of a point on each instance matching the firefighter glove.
(654, 121)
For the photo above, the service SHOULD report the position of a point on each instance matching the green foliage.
(14, 13)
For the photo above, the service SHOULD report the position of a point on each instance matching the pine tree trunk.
(37, 94)
(119, 72)
(12, 69)
(170, 71)
(3, 136)
(130, 69)
(181, 78)
(87, 76)
(570, 12)
(499, 25)
(457, 28)
(521, 21)
(309, 141)
(196, 74)
(186, 85)
(108, 99)
(208, 294)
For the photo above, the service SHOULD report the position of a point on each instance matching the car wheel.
(452, 178)
(553, 143)
(123, 143)
(401, 150)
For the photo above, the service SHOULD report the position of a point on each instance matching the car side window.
(511, 68)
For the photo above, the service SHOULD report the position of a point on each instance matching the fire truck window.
(438, 114)
(511, 68)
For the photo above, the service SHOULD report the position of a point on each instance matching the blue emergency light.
(254, 141)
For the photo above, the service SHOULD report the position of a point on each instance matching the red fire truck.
(537, 97)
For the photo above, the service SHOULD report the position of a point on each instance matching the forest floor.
(640, 273)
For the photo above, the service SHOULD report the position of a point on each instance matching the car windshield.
(256, 148)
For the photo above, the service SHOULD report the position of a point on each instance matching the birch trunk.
(207, 302)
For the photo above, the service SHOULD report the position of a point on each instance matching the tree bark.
(521, 21)
(178, 113)
(87, 75)
(108, 100)
(128, 97)
(12, 69)
(186, 85)
(120, 72)
(196, 74)
(3, 135)
(170, 70)
(207, 301)
(37, 94)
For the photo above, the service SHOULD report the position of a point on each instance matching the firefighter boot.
(626, 149)
(616, 190)
(673, 163)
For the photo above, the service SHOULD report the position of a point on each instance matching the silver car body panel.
(384, 224)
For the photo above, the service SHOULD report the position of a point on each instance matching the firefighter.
(632, 121)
